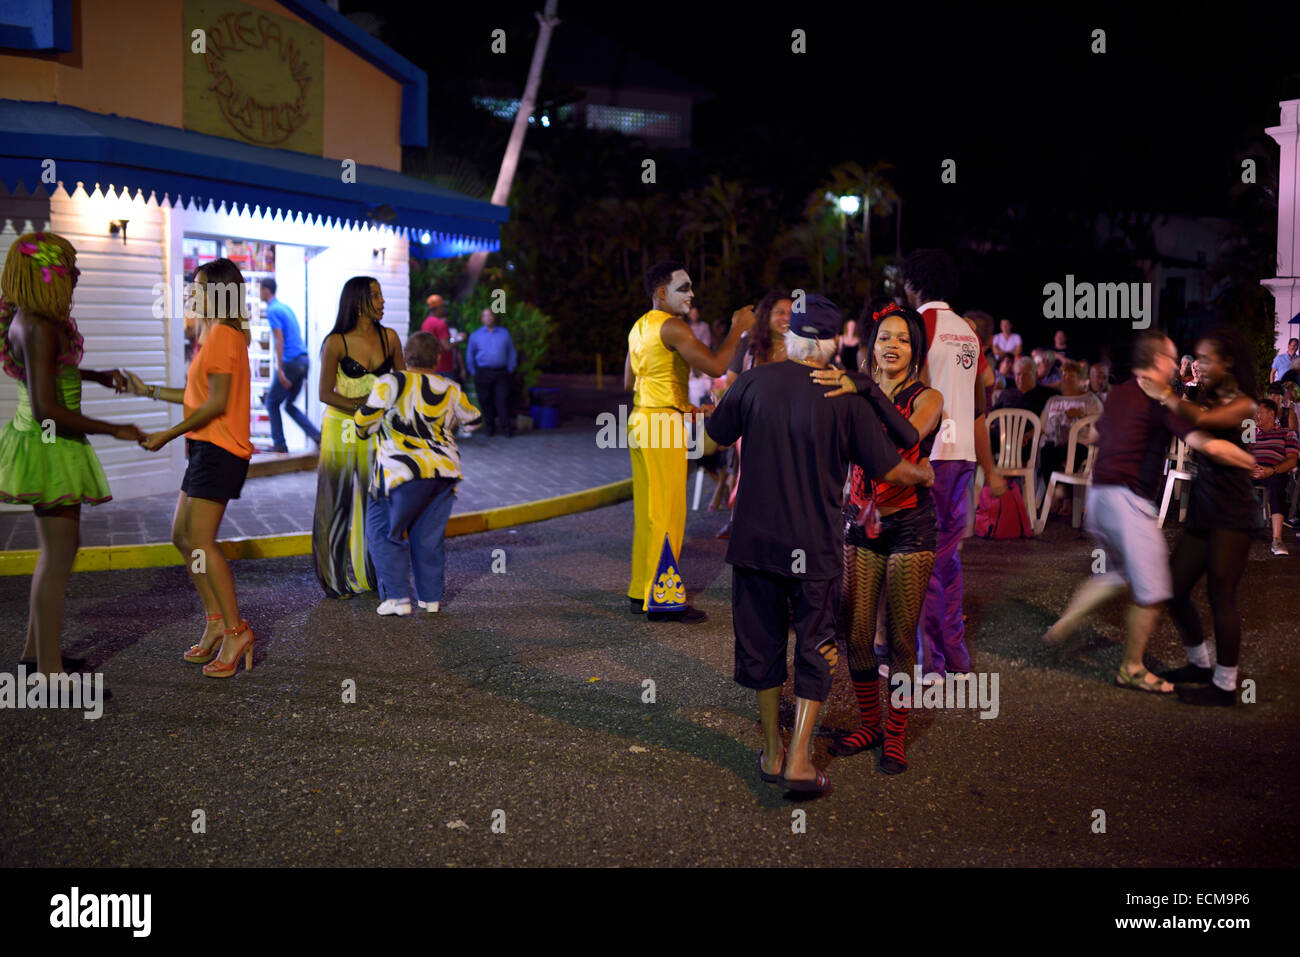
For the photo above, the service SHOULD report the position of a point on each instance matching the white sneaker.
(1279, 548)
(395, 606)
(429, 606)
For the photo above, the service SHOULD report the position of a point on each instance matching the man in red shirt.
(435, 324)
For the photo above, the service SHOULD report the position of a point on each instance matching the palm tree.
(509, 163)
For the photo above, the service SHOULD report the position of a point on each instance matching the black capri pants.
(763, 606)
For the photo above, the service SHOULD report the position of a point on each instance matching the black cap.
(819, 318)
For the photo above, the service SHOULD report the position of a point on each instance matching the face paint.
(678, 294)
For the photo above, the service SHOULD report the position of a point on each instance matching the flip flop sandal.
(1138, 682)
(770, 778)
(818, 785)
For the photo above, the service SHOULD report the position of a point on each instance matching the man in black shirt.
(785, 547)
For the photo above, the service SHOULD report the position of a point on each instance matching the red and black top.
(862, 490)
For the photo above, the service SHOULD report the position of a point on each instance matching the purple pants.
(940, 635)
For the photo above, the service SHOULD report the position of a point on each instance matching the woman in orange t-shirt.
(217, 447)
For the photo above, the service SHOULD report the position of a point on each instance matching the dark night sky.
(1013, 94)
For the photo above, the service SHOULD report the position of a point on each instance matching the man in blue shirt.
(490, 356)
(291, 367)
(1282, 364)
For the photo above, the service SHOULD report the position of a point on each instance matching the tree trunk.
(510, 162)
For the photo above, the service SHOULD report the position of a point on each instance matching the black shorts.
(212, 472)
(907, 530)
(763, 607)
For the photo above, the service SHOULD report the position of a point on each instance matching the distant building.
(156, 136)
(1286, 286)
(618, 90)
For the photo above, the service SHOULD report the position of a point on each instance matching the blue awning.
(95, 149)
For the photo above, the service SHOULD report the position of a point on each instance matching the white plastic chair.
(1079, 479)
(1177, 470)
(1015, 427)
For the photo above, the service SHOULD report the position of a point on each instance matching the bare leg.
(799, 763)
(181, 538)
(1276, 518)
(769, 709)
(1141, 622)
(1092, 594)
(58, 530)
(204, 517)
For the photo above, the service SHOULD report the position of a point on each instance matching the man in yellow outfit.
(662, 350)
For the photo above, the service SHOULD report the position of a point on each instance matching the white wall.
(119, 293)
(113, 307)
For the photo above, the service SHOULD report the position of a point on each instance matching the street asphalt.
(521, 704)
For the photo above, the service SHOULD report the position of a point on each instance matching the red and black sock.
(866, 688)
(893, 760)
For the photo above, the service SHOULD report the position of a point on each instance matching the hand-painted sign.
(259, 77)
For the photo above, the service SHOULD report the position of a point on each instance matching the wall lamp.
(116, 226)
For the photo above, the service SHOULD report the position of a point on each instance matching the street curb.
(99, 558)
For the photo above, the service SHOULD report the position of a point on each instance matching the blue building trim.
(42, 26)
(109, 150)
(415, 83)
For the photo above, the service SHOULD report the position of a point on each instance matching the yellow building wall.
(127, 59)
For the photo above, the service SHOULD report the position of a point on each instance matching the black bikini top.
(353, 369)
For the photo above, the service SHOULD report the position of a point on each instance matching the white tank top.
(953, 363)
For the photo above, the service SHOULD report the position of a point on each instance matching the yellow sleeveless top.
(661, 374)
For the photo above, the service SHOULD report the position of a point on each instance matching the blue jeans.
(295, 371)
(418, 509)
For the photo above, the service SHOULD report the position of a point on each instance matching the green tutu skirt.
(64, 471)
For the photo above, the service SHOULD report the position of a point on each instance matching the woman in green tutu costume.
(45, 459)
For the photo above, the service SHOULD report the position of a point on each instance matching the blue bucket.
(545, 417)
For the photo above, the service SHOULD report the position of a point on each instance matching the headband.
(47, 255)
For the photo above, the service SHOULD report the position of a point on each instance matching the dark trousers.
(493, 387)
(296, 372)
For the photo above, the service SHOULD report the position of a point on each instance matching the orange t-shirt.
(224, 351)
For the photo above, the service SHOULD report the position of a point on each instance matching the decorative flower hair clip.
(47, 255)
(889, 310)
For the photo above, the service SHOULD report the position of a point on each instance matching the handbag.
(1004, 517)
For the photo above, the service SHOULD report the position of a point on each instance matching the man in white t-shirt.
(955, 366)
(1006, 342)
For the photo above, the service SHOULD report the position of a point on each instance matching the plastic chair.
(1176, 472)
(1081, 478)
(1015, 427)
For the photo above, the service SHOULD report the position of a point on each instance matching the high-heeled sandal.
(199, 655)
(217, 669)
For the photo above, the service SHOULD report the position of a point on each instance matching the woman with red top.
(217, 447)
(890, 529)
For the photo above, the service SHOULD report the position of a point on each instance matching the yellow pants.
(658, 492)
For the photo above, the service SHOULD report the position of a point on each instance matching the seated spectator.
(1061, 347)
(1058, 415)
(1099, 380)
(1006, 371)
(1276, 452)
(1047, 365)
(1024, 393)
(1007, 343)
(1284, 396)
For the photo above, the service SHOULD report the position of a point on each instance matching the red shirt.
(438, 327)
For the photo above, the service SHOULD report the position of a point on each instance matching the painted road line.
(98, 558)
